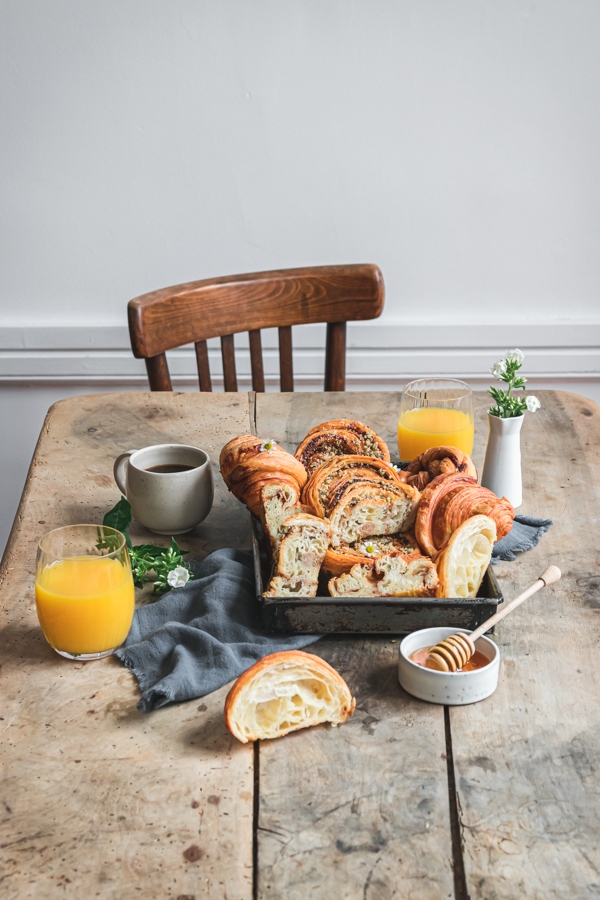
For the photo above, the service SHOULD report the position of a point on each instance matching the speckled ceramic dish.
(448, 688)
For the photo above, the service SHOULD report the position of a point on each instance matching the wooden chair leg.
(256, 360)
(158, 373)
(203, 366)
(286, 365)
(335, 357)
(228, 354)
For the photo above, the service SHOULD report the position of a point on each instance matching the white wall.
(146, 143)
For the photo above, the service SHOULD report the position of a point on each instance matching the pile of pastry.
(339, 507)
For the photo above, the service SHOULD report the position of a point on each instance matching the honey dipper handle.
(549, 576)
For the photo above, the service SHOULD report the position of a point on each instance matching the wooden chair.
(221, 307)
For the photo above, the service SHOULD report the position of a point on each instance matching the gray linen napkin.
(525, 534)
(198, 637)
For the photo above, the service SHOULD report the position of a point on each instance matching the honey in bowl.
(477, 661)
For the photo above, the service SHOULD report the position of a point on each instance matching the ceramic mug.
(166, 502)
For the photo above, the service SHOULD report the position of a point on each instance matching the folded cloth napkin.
(198, 637)
(525, 534)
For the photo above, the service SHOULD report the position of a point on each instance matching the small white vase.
(502, 466)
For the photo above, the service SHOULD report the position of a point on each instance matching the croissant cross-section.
(285, 692)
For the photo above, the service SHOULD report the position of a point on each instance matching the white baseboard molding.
(379, 354)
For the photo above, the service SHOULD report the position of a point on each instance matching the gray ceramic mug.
(171, 502)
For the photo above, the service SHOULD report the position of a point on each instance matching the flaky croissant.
(448, 501)
(248, 463)
(323, 482)
(439, 461)
(340, 437)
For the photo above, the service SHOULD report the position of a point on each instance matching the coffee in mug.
(170, 486)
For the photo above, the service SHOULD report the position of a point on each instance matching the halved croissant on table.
(436, 461)
(367, 509)
(340, 437)
(450, 500)
(325, 481)
(284, 692)
(464, 562)
(338, 561)
(301, 553)
(391, 575)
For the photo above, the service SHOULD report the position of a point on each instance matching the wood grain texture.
(204, 378)
(228, 356)
(100, 800)
(360, 811)
(198, 310)
(335, 357)
(528, 758)
(286, 364)
(157, 368)
(256, 361)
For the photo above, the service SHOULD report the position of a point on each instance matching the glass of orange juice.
(435, 412)
(84, 591)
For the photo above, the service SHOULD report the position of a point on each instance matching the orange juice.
(432, 426)
(85, 604)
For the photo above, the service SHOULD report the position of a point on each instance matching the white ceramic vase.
(502, 466)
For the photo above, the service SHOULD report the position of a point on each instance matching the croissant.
(301, 552)
(366, 509)
(337, 562)
(247, 463)
(439, 461)
(284, 692)
(391, 575)
(449, 500)
(316, 490)
(465, 560)
(339, 437)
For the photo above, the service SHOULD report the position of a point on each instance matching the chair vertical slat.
(335, 357)
(203, 366)
(228, 354)
(158, 373)
(256, 360)
(286, 366)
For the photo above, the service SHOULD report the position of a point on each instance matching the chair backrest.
(221, 307)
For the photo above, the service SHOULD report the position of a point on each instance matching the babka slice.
(301, 552)
(391, 575)
(367, 509)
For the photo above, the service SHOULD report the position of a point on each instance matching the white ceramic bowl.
(449, 688)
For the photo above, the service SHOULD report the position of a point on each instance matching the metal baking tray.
(324, 614)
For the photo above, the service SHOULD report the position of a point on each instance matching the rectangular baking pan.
(324, 614)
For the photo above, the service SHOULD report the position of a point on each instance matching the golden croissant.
(439, 461)
(248, 463)
(448, 501)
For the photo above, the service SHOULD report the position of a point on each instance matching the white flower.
(532, 403)
(369, 549)
(498, 368)
(515, 356)
(267, 446)
(178, 577)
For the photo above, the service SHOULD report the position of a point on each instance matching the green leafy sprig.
(507, 405)
(168, 564)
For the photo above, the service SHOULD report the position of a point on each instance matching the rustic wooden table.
(406, 800)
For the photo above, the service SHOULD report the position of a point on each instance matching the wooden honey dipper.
(455, 651)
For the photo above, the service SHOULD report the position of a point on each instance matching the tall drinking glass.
(435, 412)
(84, 590)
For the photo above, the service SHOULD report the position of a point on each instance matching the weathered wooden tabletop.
(406, 800)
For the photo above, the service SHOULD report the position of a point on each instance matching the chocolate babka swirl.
(323, 480)
(338, 438)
